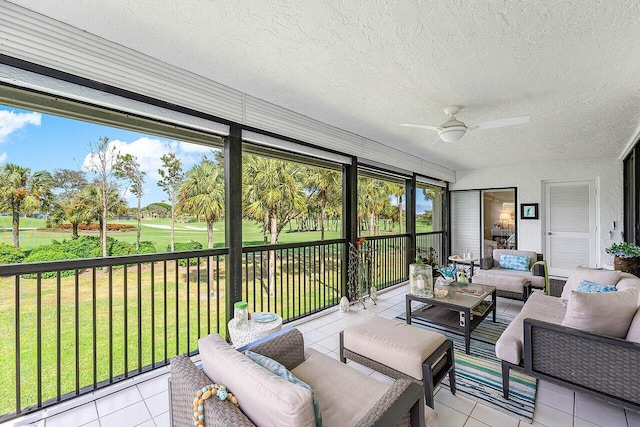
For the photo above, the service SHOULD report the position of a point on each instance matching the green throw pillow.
(279, 369)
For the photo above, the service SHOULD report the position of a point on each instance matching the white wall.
(607, 173)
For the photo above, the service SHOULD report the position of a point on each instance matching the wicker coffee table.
(463, 309)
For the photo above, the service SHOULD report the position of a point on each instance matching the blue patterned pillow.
(587, 286)
(278, 369)
(514, 262)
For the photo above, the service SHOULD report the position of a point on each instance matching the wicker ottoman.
(507, 286)
(399, 350)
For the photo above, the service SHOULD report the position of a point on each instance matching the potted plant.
(626, 256)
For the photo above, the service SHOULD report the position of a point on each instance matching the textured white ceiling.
(367, 65)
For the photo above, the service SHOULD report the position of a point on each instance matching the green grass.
(293, 280)
(157, 231)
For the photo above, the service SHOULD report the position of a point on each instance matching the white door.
(570, 226)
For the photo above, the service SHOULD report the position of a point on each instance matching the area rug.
(479, 374)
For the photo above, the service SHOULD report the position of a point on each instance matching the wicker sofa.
(490, 268)
(346, 396)
(584, 356)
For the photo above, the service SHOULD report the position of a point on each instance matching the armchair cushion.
(265, 398)
(329, 378)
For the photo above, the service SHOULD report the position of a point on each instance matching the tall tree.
(398, 191)
(128, 168)
(91, 200)
(70, 182)
(171, 177)
(202, 193)
(69, 205)
(325, 185)
(371, 201)
(103, 156)
(22, 192)
(273, 188)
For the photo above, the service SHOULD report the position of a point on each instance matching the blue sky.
(46, 142)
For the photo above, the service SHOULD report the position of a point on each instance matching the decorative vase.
(421, 280)
(628, 265)
(344, 304)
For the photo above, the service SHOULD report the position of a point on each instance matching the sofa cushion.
(601, 277)
(608, 313)
(345, 394)
(536, 281)
(539, 306)
(633, 334)
(629, 281)
(280, 370)
(265, 398)
(514, 262)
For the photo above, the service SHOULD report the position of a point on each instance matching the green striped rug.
(479, 374)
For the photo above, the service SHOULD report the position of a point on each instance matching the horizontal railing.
(435, 240)
(71, 327)
(293, 280)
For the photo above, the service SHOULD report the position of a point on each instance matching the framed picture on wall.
(529, 211)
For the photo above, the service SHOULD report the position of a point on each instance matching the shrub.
(52, 252)
(117, 248)
(10, 254)
(83, 246)
(147, 247)
(187, 246)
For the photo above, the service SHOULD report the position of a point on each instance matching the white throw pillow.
(608, 313)
(601, 277)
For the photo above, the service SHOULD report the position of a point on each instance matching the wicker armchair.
(402, 405)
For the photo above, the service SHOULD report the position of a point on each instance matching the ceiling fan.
(453, 130)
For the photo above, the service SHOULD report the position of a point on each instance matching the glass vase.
(421, 280)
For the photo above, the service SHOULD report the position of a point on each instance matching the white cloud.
(10, 121)
(3, 157)
(147, 152)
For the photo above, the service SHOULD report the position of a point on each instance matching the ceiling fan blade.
(411, 125)
(500, 123)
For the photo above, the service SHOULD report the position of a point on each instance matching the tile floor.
(143, 401)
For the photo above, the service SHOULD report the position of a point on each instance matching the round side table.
(253, 330)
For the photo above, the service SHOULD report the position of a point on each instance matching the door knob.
(549, 233)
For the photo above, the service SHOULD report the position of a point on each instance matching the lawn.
(130, 323)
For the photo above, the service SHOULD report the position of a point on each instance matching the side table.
(465, 261)
(253, 330)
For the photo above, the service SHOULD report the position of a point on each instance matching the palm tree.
(202, 193)
(371, 199)
(326, 185)
(398, 191)
(273, 190)
(22, 192)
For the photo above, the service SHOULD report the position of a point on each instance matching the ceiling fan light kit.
(453, 130)
(452, 133)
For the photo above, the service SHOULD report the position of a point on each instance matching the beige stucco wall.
(529, 180)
